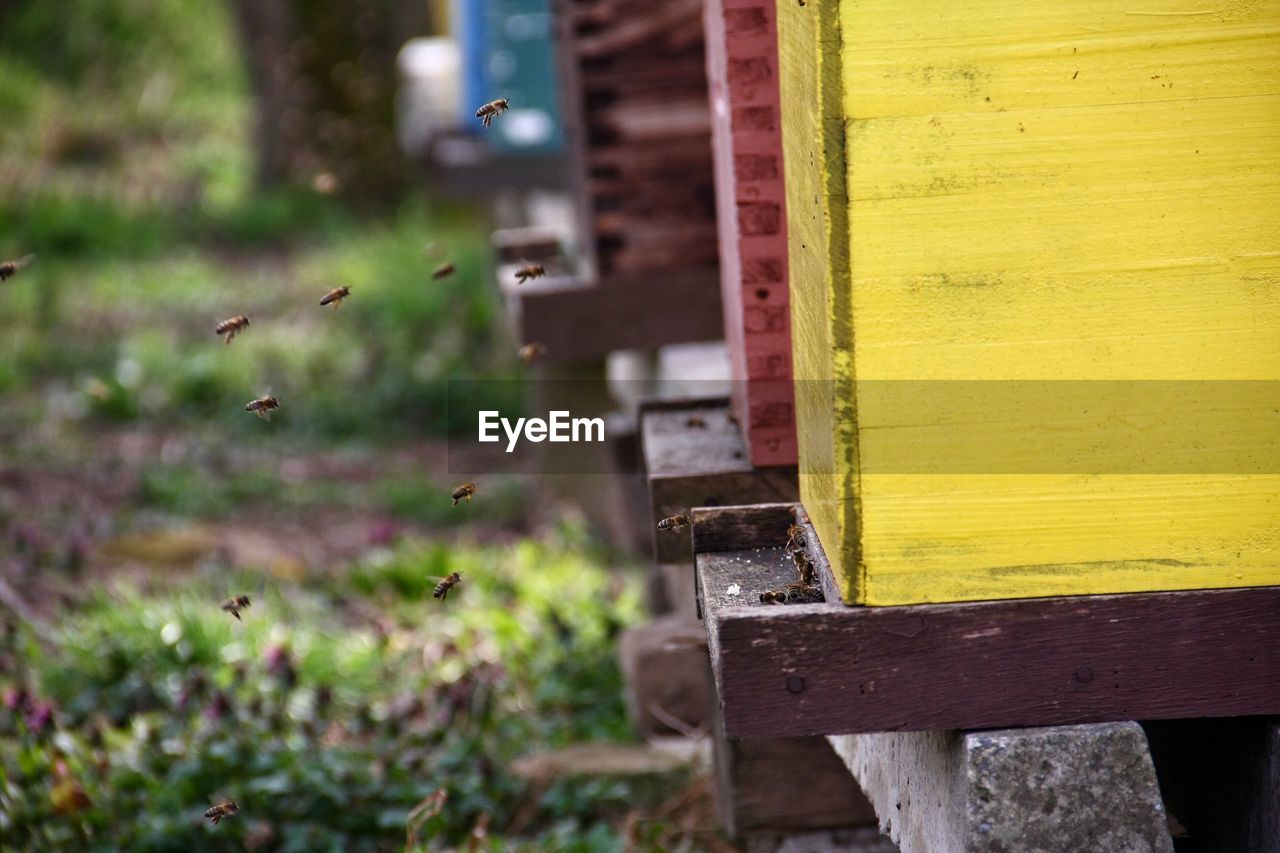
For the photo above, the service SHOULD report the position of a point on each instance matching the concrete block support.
(1040, 790)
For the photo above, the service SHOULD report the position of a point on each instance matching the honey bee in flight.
(9, 269)
(334, 297)
(446, 584)
(235, 605)
(463, 492)
(443, 271)
(262, 406)
(221, 808)
(531, 351)
(529, 271)
(673, 523)
(491, 110)
(232, 327)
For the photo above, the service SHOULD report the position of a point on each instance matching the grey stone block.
(1048, 790)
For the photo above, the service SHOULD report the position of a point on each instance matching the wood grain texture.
(802, 669)
(1083, 192)
(707, 466)
(742, 75)
(820, 668)
(785, 784)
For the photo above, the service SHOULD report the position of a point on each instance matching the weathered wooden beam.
(577, 321)
(828, 669)
(695, 456)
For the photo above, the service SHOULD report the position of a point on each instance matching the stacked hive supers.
(645, 134)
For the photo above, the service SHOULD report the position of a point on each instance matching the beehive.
(1036, 192)
(742, 76)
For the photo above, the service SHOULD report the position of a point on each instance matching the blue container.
(508, 52)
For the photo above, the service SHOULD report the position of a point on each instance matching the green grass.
(329, 711)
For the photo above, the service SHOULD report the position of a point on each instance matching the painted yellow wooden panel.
(1035, 192)
(818, 262)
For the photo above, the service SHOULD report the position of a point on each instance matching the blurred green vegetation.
(346, 698)
(326, 723)
(125, 168)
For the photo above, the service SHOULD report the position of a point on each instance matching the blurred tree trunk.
(324, 72)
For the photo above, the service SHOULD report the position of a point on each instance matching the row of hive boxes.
(1025, 270)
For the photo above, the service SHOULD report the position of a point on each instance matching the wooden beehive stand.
(638, 140)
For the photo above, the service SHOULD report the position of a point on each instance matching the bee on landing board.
(805, 570)
(9, 269)
(796, 593)
(262, 406)
(463, 492)
(491, 110)
(221, 808)
(232, 327)
(529, 271)
(695, 422)
(442, 589)
(443, 271)
(334, 297)
(795, 537)
(235, 605)
(531, 351)
(673, 523)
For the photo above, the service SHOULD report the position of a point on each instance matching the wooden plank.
(742, 72)
(757, 786)
(576, 321)
(701, 465)
(736, 528)
(829, 669)
(1082, 192)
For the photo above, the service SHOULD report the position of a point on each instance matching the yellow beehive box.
(1035, 254)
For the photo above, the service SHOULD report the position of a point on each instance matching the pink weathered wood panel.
(742, 74)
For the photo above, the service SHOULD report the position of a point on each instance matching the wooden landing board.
(792, 670)
(689, 466)
(578, 320)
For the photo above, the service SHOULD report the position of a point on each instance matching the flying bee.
(334, 297)
(491, 110)
(221, 808)
(443, 271)
(262, 406)
(9, 269)
(235, 605)
(446, 584)
(529, 271)
(232, 327)
(463, 492)
(695, 422)
(673, 523)
(531, 351)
